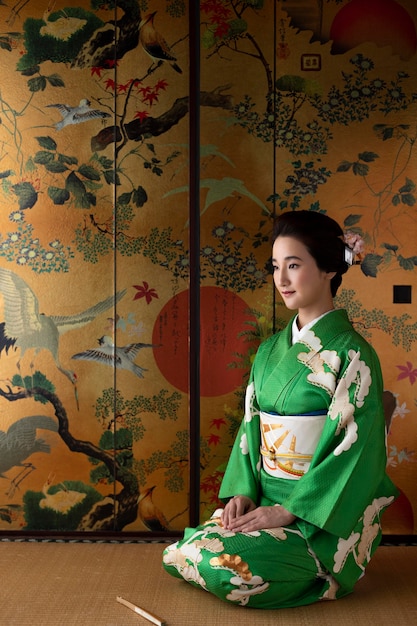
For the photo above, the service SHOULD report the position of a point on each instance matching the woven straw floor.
(76, 584)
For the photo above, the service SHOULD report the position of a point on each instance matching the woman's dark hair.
(321, 235)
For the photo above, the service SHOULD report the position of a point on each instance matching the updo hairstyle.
(321, 235)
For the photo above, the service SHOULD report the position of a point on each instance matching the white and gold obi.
(289, 442)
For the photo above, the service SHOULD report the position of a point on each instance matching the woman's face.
(301, 284)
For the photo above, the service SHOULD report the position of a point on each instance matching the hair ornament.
(354, 247)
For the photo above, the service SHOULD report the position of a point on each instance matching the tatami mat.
(76, 584)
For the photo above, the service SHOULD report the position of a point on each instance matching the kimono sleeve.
(348, 468)
(242, 472)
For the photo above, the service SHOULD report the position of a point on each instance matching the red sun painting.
(383, 22)
(222, 319)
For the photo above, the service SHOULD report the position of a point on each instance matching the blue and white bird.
(76, 115)
(121, 357)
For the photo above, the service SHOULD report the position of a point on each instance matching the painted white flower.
(243, 593)
(371, 529)
(355, 369)
(320, 376)
(310, 340)
(344, 548)
(244, 444)
(358, 377)
(192, 551)
(175, 557)
(278, 533)
(250, 397)
(213, 545)
(192, 574)
(343, 411)
(374, 509)
(351, 437)
(401, 411)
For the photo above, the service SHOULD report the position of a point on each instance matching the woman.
(305, 485)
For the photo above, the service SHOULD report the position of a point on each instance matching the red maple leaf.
(407, 371)
(110, 84)
(222, 30)
(123, 88)
(217, 18)
(205, 488)
(218, 422)
(206, 6)
(141, 115)
(143, 291)
(145, 90)
(151, 98)
(212, 482)
(96, 70)
(161, 84)
(215, 7)
(111, 63)
(214, 440)
(223, 12)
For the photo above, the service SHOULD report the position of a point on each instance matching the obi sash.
(289, 442)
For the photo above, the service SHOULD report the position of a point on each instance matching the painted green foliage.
(360, 94)
(299, 117)
(69, 183)
(82, 186)
(401, 329)
(76, 185)
(360, 97)
(41, 44)
(124, 424)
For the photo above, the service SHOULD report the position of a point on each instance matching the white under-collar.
(297, 333)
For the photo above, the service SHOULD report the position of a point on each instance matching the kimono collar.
(297, 333)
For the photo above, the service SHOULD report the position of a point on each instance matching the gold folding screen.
(145, 148)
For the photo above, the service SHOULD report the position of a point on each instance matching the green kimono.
(329, 383)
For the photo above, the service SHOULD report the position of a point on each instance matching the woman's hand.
(235, 508)
(256, 518)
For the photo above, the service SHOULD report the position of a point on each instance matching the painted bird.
(154, 44)
(76, 115)
(61, 28)
(150, 515)
(29, 329)
(121, 357)
(20, 442)
(61, 500)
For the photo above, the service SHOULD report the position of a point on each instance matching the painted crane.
(19, 442)
(121, 357)
(29, 329)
